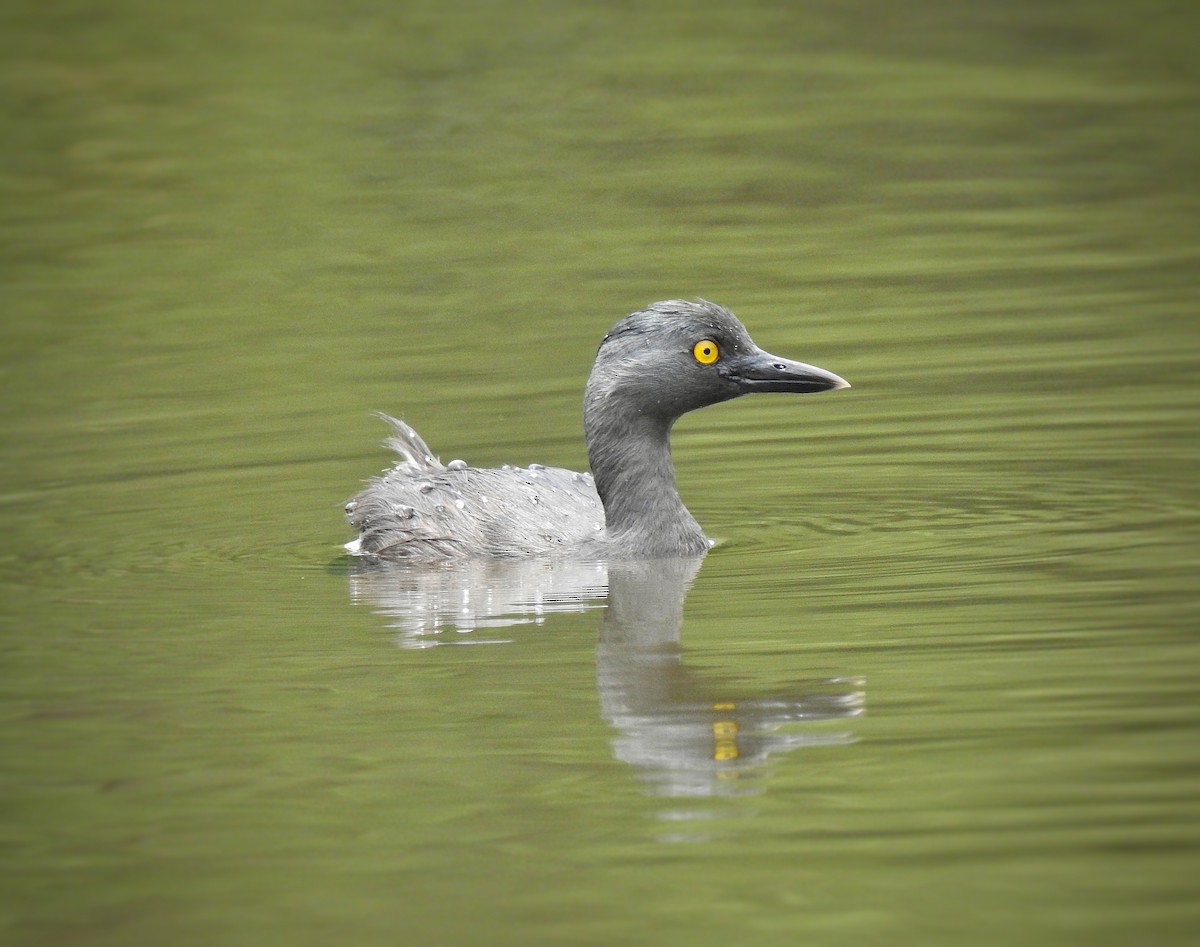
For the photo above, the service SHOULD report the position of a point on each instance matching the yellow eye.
(705, 351)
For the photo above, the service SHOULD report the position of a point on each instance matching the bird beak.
(762, 371)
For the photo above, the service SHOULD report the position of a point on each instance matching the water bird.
(652, 367)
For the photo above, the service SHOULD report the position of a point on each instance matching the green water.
(938, 683)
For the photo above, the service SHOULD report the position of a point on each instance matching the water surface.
(938, 681)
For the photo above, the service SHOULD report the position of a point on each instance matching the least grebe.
(653, 366)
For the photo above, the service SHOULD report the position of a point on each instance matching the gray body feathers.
(425, 510)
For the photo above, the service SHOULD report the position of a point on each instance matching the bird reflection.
(465, 602)
(685, 735)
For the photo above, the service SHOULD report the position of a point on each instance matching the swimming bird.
(652, 367)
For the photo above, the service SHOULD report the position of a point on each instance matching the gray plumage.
(648, 372)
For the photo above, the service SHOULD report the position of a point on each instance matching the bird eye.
(705, 351)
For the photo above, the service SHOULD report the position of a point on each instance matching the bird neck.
(630, 457)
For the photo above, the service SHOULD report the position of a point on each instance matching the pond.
(936, 682)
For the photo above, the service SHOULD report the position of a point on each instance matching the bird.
(652, 367)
